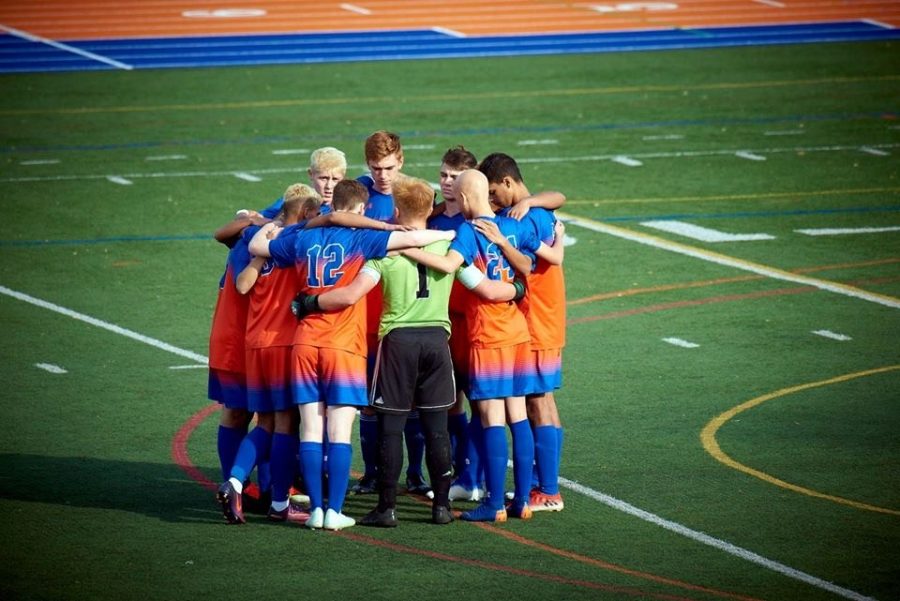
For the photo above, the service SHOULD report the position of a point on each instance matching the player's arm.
(347, 219)
(554, 253)
(520, 262)
(550, 200)
(259, 244)
(412, 238)
(248, 276)
(491, 290)
(338, 299)
(231, 230)
(448, 263)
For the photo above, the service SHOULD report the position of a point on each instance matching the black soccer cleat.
(380, 519)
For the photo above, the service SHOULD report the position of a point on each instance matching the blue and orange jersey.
(327, 258)
(493, 325)
(545, 303)
(459, 295)
(380, 205)
(229, 323)
(269, 318)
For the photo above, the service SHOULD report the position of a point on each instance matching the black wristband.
(519, 285)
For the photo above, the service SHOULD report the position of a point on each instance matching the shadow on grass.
(153, 489)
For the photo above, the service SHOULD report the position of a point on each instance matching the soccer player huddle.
(367, 297)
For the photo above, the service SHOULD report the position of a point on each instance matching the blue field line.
(20, 56)
(209, 238)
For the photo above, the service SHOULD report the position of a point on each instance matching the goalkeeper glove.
(304, 304)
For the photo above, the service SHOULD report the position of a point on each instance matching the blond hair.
(327, 158)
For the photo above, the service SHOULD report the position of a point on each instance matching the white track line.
(706, 539)
(356, 9)
(598, 496)
(720, 259)
(65, 47)
(104, 325)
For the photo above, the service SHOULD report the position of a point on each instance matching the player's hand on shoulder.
(520, 209)
(490, 230)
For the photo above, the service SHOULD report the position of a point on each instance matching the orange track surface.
(97, 19)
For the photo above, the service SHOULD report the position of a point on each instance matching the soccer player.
(384, 158)
(499, 349)
(329, 350)
(269, 336)
(464, 434)
(227, 364)
(545, 311)
(414, 366)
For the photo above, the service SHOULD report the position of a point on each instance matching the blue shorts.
(228, 388)
(269, 379)
(330, 376)
(547, 367)
(498, 373)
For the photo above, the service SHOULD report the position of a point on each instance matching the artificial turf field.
(112, 183)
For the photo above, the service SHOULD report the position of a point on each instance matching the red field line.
(84, 19)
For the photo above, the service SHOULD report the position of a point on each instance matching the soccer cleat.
(416, 485)
(366, 485)
(288, 514)
(230, 501)
(441, 514)
(298, 497)
(519, 509)
(459, 492)
(539, 501)
(316, 518)
(485, 513)
(380, 519)
(337, 521)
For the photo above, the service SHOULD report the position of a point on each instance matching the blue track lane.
(18, 55)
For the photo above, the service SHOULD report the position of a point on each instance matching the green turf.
(95, 507)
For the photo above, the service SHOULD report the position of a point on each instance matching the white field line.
(104, 325)
(65, 47)
(750, 156)
(627, 161)
(247, 177)
(118, 179)
(841, 231)
(832, 335)
(874, 151)
(606, 499)
(704, 234)
(720, 259)
(681, 342)
(706, 539)
(166, 157)
(41, 162)
(191, 366)
(53, 369)
(784, 132)
(533, 160)
(290, 151)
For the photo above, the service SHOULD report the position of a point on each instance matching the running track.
(79, 35)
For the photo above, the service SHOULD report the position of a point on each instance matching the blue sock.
(311, 463)
(472, 474)
(228, 441)
(368, 443)
(283, 464)
(415, 444)
(546, 447)
(523, 458)
(254, 448)
(457, 426)
(339, 456)
(496, 454)
(264, 474)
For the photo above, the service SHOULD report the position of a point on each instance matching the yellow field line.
(504, 95)
(708, 437)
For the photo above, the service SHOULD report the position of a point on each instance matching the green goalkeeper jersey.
(414, 295)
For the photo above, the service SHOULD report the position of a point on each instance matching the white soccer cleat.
(337, 521)
(316, 518)
(461, 493)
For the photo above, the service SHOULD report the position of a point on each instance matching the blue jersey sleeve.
(273, 209)
(283, 249)
(239, 257)
(466, 243)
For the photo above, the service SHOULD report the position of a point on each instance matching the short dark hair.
(459, 158)
(497, 165)
(347, 194)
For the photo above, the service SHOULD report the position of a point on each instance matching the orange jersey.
(269, 319)
(229, 325)
(545, 306)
